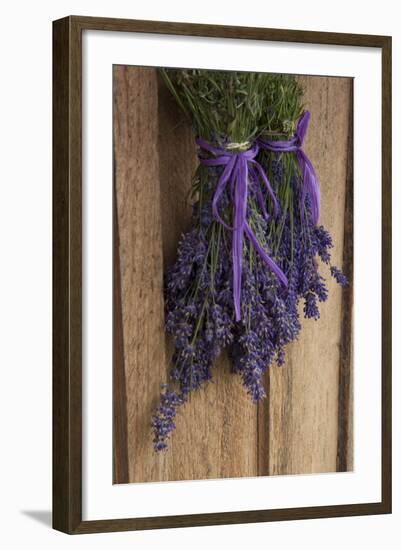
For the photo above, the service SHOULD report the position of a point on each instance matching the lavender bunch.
(233, 109)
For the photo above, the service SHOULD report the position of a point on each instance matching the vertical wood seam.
(120, 423)
(344, 383)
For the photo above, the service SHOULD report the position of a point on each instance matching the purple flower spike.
(338, 276)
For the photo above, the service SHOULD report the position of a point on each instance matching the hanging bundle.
(250, 254)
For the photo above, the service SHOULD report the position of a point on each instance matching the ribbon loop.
(309, 177)
(238, 166)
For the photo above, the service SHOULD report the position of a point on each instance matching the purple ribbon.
(238, 166)
(310, 181)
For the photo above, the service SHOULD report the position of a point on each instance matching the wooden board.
(220, 433)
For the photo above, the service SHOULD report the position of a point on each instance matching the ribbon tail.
(221, 185)
(265, 257)
(237, 248)
(240, 204)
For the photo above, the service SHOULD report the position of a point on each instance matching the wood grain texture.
(302, 431)
(120, 432)
(141, 261)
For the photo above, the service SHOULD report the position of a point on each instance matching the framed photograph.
(222, 275)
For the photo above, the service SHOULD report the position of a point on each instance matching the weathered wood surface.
(141, 263)
(120, 447)
(220, 433)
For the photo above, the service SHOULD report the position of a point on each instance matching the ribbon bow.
(237, 167)
(311, 183)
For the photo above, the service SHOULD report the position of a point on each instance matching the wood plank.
(120, 449)
(141, 264)
(301, 436)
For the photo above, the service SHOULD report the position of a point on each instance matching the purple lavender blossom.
(311, 310)
(338, 275)
(163, 421)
